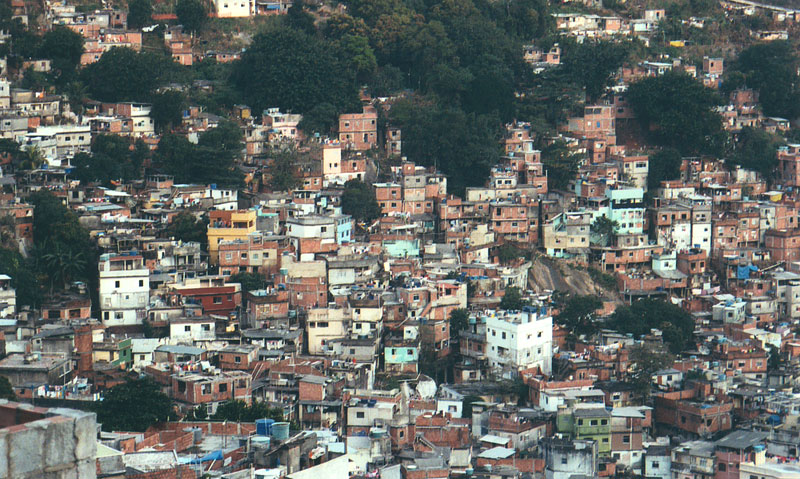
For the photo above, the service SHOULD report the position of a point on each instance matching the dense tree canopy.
(358, 201)
(112, 158)
(295, 71)
(64, 48)
(123, 74)
(578, 315)
(192, 14)
(771, 69)
(663, 165)
(640, 317)
(211, 160)
(186, 227)
(678, 112)
(139, 13)
(755, 149)
(133, 406)
(462, 145)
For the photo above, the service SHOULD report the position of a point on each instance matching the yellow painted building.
(228, 226)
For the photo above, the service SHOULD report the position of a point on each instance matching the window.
(237, 359)
(594, 422)
(223, 387)
(360, 414)
(217, 299)
(206, 327)
(580, 422)
(409, 351)
(141, 283)
(723, 467)
(563, 459)
(352, 350)
(116, 284)
(626, 439)
(603, 422)
(118, 315)
(187, 328)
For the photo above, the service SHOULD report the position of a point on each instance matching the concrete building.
(47, 443)
(519, 340)
(124, 289)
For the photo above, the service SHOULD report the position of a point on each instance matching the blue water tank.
(280, 431)
(263, 426)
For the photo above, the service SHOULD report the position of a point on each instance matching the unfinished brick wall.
(51, 443)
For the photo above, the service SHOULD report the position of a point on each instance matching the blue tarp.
(211, 456)
(743, 272)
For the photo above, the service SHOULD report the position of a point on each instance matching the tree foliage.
(187, 227)
(592, 64)
(676, 325)
(464, 146)
(113, 157)
(210, 161)
(295, 71)
(6, 390)
(134, 406)
(561, 165)
(756, 149)
(249, 281)
(167, 109)
(358, 201)
(645, 362)
(771, 69)
(192, 14)
(678, 112)
(23, 276)
(64, 48)
(139, 13)
(512, 299)
(123, 74)
(282, 169)
(578, 315)
(459, 321)
(239, 411)
(663, 165)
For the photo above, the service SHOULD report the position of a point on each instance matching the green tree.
(605, 228)
(459, 321)
(140, 14)
(771, 69)
(593, 64)
(645, 362)
(75, 92)
(359, 56)
(756, 149)
(463, 146)
(578, 315)
(32, 158)
(676, 325)
(210, 161)
(513, 299)
(239, 411)
(122, 74)
(561, 164)
(133, 406)
(508, 253)
(64, 48)
(298, 18)
(186, 227)
(320, 119)
(249, 281)
(358, 201)
(283, 169)
(112, 158)
(167, 109)
(192, 14)
(64, 265)
(679, 112)
(6, 390)
(23, 276)
(56, 228)
(663, 165)
(294, 71)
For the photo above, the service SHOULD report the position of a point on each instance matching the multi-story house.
(124, 289)
(519, 340)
